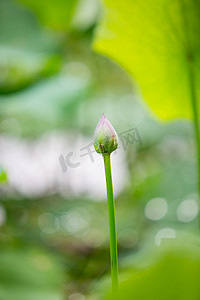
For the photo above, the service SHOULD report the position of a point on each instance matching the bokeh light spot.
(187, 210)
(156, 209)
(164, 233)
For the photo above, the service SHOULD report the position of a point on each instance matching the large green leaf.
(157, 42)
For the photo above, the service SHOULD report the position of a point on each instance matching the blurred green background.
(54, 241)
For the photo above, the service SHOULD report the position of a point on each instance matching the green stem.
(112, 225)
(194, 103)
(193, 95)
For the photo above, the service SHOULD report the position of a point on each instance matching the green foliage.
(27, 51)
(173, 275)
(43, 105)
(42, 38)
(29, 274)
(3, 176)
(157, 42)
(46, 12)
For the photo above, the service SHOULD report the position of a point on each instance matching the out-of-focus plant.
(105, 142)
(158, 44)
(172, 273)
(54, 16)
(3, 175)
(40, 276)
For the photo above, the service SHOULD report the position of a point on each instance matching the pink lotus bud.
(105, 137)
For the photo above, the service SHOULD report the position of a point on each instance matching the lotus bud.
(105, 137)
